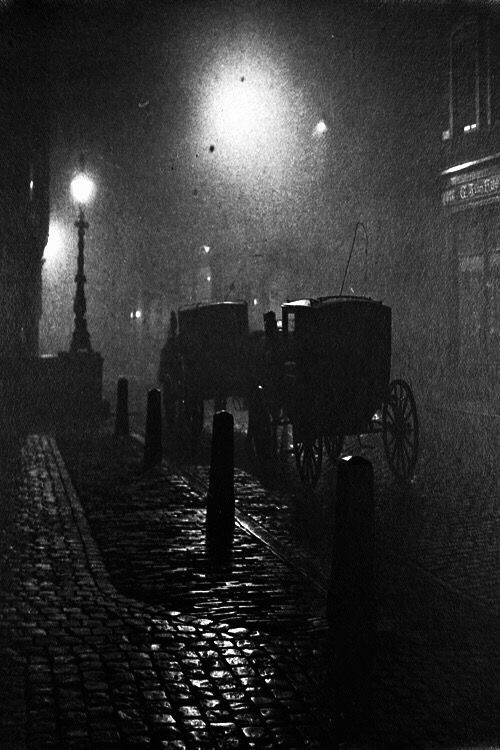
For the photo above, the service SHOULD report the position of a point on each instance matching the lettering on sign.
(473, 190)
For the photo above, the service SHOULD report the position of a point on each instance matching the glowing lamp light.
(82, 188)
(320, 128)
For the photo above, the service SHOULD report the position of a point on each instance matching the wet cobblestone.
(109, 646)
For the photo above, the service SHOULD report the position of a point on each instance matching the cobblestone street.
(120, 628)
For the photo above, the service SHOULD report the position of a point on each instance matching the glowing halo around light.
(82, 188)
(246, 109)
(241, 109)
(54, 243)
(320, 128)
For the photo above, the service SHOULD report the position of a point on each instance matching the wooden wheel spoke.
(400, 430)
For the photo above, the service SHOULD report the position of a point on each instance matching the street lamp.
(82, 189)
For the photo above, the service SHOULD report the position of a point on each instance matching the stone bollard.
(351, 595)
(153, 449)
(220, 497)
(121, 418)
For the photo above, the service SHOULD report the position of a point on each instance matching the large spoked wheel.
(333, 446)
(261, 430)
(308, 457)
(400, 430)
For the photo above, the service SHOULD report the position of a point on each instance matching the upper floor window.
(494, 72)
(474, 77)
(464, 80)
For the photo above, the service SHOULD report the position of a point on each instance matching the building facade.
(470, 185)
(24, 179)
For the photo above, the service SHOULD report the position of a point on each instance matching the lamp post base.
(80, 341)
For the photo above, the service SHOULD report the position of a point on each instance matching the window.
(494, 73)
(478, 251)
(474, 77)
(464, 80)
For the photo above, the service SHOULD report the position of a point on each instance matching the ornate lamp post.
(82, 189)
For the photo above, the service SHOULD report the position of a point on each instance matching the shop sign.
(472, 189)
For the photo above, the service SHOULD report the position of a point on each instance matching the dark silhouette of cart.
(205, 357)
(326, 375)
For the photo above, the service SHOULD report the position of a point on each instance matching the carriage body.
(213, 346)
(204, 357)
(326, 375)
(338, 363)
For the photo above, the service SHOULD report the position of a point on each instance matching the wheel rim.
(308, 457)
(333, 446)
(400, 430)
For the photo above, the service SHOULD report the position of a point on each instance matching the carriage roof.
(327, 302)
(214, 317)
(211, 306)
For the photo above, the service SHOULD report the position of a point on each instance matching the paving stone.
(192, 649)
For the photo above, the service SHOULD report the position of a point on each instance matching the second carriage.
(204, 358)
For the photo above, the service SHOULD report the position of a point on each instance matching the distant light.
(132, 315)
(468, 128)
(138, 314)
(31, 185)
(82, 188)
(321, 127)
(205, 248)
(255, 301)
(209, 278)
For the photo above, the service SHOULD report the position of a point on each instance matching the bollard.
(351, 595)
(153, 449)
(121, 418)
(220, 497)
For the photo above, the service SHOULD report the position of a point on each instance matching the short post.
(220, 497)
(351, 596)
(121, 418)
(153, 449)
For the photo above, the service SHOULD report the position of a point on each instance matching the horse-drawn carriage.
(324, 375)
(204, 358)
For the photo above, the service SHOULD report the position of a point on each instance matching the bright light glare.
(246, 109)
(240, 109)
(54, 243)
(321, 127)
(82, 188)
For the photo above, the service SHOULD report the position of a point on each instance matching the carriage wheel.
(333, 446)
(308, 457)
(400, 430)
(261, 430)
